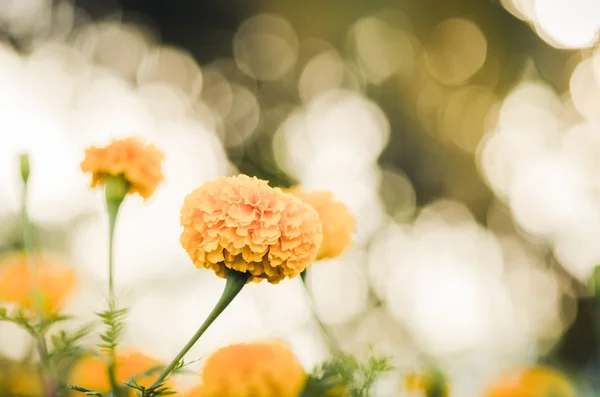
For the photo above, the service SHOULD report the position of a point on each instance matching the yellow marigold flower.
(91, 372)
(421, 382)
(139, 164)
(338, 223)
(242, 223)
(25, 381)
(253, 370)
(52, 279)
(336, 391)
(532, 382)
(4, 377)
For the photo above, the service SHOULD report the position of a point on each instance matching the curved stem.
(332, 342)
(235, 282)
(113, 211)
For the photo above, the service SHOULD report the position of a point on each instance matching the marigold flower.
(91, 372)
(253, 370)
(531, 382)
(139, 164)
(52, 279)
(336, 391)
(243, 224)
(25, 381)
(338, 223)
(197, 391)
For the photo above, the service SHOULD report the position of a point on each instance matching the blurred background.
(462, 134)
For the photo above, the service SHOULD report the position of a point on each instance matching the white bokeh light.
(550, 195)
(442, 277)
(265, 47)
(571, 23)
(568, 24)
(543, 162)
(342, 279)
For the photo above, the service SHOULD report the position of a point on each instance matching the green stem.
(112, 378)
(235, 282)
(29, 248)
(116, 190)
(438, 385)
(113, 211)
(36, 298)
(332, 341)
(596, 291)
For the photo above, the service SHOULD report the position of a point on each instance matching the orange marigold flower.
(91, 371)
(338, 223)
(197, 391)
(531, 382)
(242, 223)
(253, 370)
(139, 164)
(134, 363)
(52, 279)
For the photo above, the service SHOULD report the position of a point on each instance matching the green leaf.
(114, 320)
(357, 378)
(86, 391)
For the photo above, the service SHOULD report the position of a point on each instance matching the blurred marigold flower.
(252, 370)
(25, 381)
(139, 164)
(422, 382)
(91, 372)
(52, 279)
(532, 382)
(336, 391)
(243, 224)
(197, 391)
(338, 223)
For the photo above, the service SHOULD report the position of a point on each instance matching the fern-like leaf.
(348, 376)
(114, 321)
(87, 391)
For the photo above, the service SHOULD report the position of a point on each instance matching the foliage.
(356, 378)
(63, 349)
(89, 392)
(160, 389)
(114, 320)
